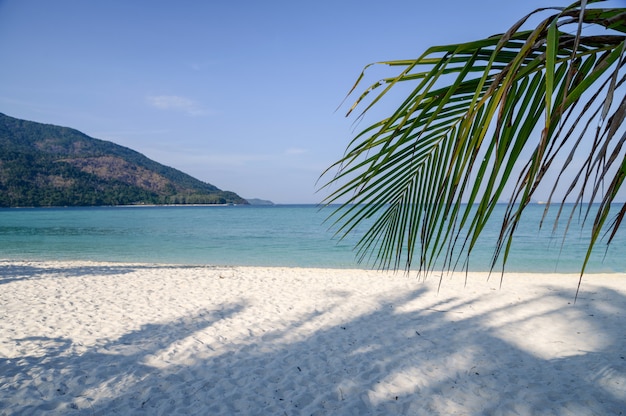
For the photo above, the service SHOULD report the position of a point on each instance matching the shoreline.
(352, 267)
(82, 337)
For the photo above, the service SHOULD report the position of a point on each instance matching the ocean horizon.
(276, 235)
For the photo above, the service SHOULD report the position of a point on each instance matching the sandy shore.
(93, 338)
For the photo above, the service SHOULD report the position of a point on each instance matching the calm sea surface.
(282, 235)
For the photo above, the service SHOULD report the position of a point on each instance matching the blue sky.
(240, 94)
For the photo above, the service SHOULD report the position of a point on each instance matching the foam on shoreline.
(102, 338)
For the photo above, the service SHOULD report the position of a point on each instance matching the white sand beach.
(81, 338)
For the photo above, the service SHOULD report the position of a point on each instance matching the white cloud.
(201, 66)
(176, 103)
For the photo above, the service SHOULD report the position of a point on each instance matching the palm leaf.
(483, 121)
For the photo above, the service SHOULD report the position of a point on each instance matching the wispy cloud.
(201, 65)
(177, 103)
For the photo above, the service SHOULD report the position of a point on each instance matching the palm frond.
(485, 121)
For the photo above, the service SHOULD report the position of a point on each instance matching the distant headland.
(43, 165)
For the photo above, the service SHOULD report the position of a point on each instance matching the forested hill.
(47, 165)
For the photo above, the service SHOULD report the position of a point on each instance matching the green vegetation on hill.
(47, 165)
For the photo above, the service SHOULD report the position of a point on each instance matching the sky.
(245, 95)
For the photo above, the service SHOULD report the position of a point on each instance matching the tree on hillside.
(485, 121)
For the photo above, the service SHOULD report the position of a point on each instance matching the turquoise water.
(283, 235)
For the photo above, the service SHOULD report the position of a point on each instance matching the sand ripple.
(94, 339)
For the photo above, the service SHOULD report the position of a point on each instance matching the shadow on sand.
(14, 271)
(385, 362)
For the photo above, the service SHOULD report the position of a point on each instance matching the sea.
(276, 235)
